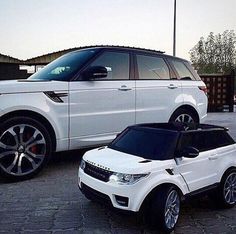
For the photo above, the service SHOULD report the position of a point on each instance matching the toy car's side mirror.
(189, 152)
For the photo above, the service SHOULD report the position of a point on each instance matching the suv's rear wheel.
(25, 147)
(165, 208)
(184, 116)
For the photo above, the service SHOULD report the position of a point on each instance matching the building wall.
(11, 71)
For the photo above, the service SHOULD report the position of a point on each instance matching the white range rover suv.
(86, 97)
(153, 167)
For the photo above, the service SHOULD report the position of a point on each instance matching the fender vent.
(170, 171)
(145, 161)
(103, 147)
(56, 97)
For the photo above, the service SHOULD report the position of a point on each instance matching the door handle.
(172, 86)
(213, 157)
(124, 88)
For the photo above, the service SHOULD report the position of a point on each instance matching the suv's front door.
(158, 93)
(101, 108)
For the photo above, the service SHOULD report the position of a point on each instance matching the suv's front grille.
(97, 172)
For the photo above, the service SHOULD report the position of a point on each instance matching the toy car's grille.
(97, 172)
(95, 195)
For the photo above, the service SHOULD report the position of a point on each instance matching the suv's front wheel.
(25, 147)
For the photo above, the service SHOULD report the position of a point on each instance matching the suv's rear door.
(193, 87)
(158, 92)
(101, 108)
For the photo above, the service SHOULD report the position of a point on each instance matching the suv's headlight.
(126, 179)
(82, 164)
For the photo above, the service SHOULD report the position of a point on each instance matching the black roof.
(129, 48)
(180, 127)
(121, 47)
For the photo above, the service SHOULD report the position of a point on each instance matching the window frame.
(176, 72)
(209, 148)
(100, 53)
(172, 74)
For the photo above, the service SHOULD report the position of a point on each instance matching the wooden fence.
(220, 92)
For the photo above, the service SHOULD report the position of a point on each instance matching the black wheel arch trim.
(150, 195)
(36, 116)
(187, 108)
(227, 171)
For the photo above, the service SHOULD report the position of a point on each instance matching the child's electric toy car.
(155, 166)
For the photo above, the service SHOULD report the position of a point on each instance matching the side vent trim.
(170, 171)
(145, 161)
(56, 97)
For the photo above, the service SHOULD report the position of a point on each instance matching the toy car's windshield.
(65, 67)
(154, 144)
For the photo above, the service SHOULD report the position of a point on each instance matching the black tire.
(220, 196)
(183, 115)
(158, 207)
(25, 148)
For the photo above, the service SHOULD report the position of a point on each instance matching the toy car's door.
(198, 172)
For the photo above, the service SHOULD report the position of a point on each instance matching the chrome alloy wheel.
(230, 189)
(22, 149)
(172, 209)
(184, 118)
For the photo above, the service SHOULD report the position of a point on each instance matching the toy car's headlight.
(126, 179)
(82, 164)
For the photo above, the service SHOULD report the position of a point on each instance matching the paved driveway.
(52, 203)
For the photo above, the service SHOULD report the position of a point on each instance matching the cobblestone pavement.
(52, 203)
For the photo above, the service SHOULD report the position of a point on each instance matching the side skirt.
(202, 191)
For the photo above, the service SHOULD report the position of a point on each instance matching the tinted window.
(182, 70)
(65, 67)
(194, 72)
(156, 144)
(117, 64)
(206, 140)
(221, 138)
(196, 140)
(152, 68)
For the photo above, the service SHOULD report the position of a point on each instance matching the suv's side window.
(182, 70)
(117, 64)
(151, 68)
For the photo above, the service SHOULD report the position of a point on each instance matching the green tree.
(215, 54)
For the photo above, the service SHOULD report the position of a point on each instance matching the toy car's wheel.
(25, 147)
(183, 116)
(165, 208)
(226, 195)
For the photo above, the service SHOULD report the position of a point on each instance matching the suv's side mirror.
(94, 72)
(189, 152)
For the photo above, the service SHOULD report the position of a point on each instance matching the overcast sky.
(31, 28)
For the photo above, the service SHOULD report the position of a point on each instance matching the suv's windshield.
(154, 144)
(65, 67)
